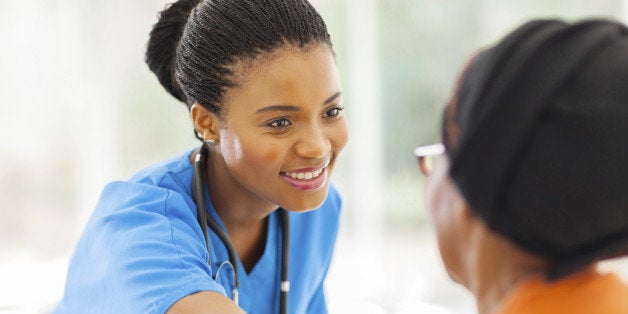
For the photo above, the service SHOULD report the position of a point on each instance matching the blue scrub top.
(142, 250)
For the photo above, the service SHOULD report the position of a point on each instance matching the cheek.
(438, 198)
(443, 219)
(248, 152)
(231, 148)
(339, 135)
(445, 215)
(431, 196)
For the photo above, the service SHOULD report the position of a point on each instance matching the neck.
(249, 242)
(496, 268)
(243, 213)
(490, 296)
(236, 205)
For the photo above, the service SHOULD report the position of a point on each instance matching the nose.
(313, 143)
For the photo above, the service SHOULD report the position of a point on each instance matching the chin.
(452, 275)
(459, 277)
(303, 208)
(306, 204)
(452, 267)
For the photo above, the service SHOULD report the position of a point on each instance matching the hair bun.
(163, 41)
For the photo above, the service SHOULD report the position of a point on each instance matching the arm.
(141, 252)
(205, 302)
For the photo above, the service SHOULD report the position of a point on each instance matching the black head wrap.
(537, 136)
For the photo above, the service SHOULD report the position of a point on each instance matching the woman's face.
(450, 217)
(283, 127)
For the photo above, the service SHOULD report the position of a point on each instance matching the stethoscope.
(198, 193)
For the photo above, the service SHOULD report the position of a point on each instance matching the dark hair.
(536, 136)
(194, 43)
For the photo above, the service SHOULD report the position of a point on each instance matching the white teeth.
(304, 175)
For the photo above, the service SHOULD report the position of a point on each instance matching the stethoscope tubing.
(198, 194)
(285, 256)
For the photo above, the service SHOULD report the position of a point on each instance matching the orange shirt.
(585, 292)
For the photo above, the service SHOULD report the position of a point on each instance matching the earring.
(211, 142)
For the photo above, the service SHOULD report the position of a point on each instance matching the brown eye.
(333, 112)
(279, 123)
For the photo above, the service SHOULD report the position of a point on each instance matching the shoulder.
(582, 292)
(156, 198)
(155, 201)
(177, 168)
(159, 188)
(142, 246)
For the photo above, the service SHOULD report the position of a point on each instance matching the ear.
(206, 123)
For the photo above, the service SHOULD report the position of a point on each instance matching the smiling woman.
(284, 125)
(261, 83)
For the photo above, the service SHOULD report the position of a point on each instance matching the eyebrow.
(294, 108)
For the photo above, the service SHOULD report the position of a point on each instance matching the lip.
(308, 184)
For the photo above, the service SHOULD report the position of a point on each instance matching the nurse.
(260, 81)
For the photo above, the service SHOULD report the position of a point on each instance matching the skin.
(486, 263)
(285, 115)
(205, 302)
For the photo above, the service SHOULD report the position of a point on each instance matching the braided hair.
(194, 45)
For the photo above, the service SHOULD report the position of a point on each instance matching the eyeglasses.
(425, 155)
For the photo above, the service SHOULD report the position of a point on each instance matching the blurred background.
(79, 108)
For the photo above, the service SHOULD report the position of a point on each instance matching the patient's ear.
(206, 123)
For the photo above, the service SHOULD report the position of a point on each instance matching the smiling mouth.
(304, 175)
(307, 179)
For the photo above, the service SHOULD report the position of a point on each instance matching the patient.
(529, 190)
